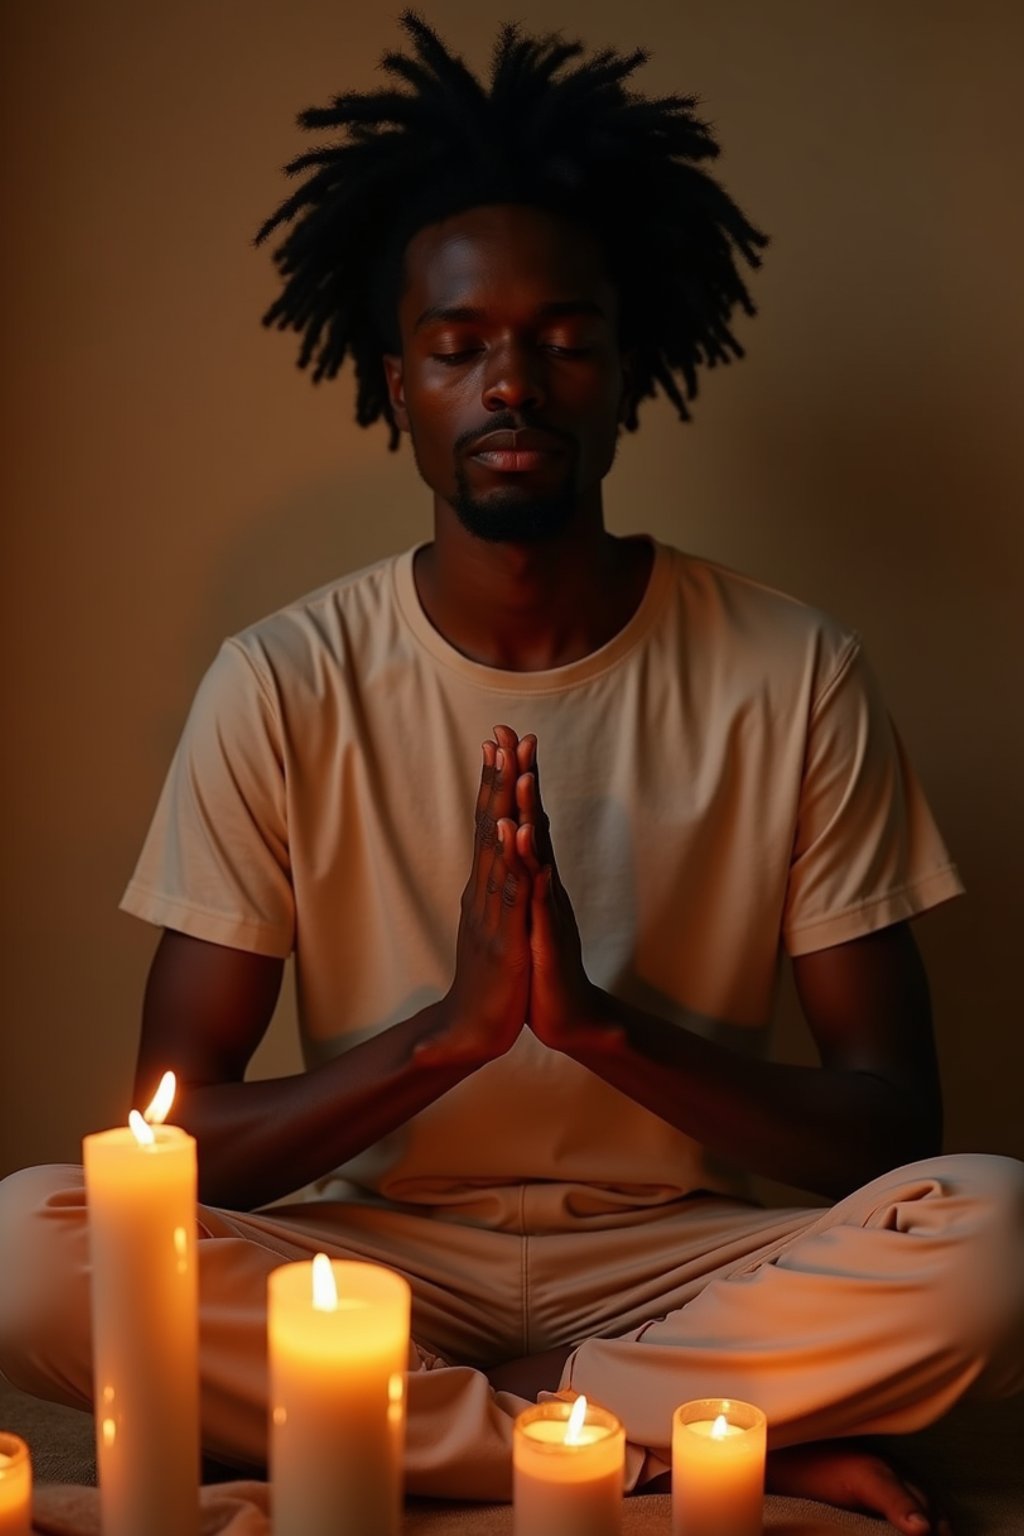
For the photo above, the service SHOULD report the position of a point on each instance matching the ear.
(394, 376)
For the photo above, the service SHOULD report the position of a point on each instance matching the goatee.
(512, 517)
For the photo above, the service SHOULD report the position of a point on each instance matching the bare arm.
(872, 1104)
(207, 1007)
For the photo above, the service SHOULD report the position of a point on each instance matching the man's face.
(509, 326)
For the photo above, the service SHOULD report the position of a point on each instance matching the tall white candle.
(141, 1192)
(568, 1477)
(15, 1487)
(718, 1452)
(337, 1397)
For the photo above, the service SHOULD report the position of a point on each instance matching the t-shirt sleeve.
(867, 852)
(215, 863)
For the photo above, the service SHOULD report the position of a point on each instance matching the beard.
(513, 516)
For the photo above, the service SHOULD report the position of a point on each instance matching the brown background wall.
(169, 475)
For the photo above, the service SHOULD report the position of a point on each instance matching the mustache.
(508, 421)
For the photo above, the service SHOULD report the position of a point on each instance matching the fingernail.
(499, 759)
(919, 1522)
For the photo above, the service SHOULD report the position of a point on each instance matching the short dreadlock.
(571, 141)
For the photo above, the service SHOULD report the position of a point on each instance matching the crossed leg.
(872, 1316)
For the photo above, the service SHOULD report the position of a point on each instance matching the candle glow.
(568, 1470)
(573, 1430)
(160, 1104)
(15, 1487)
(338, 1335)
(142, 1132)
(718, 1453)
(141, 1196)
(325, 1291)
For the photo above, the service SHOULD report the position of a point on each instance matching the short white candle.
(15, 1487)
(718, 1451)
(337, 1398)
(142, 1222)
(568, 1483)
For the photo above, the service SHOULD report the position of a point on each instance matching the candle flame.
(160, 1104)
(140, 1130)
(720, 1428)
(325, 1292)
(576, 1419)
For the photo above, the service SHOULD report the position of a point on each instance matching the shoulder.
(348, 625)
(732, 620)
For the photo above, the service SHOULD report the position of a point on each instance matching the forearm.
(827, 1131)
(260, 1140)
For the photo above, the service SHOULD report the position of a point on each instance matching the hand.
(567, 1011)
(485, 1007)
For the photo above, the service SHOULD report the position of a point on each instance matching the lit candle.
(339, 1351)
(141, 1191)
(718, 1449)
(15, 1487)
(568, 1470)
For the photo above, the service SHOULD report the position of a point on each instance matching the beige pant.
(872, 1316)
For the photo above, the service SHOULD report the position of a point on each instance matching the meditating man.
(539, 1103)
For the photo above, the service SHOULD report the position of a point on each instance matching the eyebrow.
(469, 315)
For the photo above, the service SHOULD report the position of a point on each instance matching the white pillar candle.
(568, 1481)
(15, 1487)
(338, 1365)
(141, 1192)
(718, 1451)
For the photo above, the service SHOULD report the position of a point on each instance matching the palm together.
(518, 958)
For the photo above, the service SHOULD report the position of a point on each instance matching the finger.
(508, 743)
(483, 794)
(507, 883)
(507, 739)
(496, 797)
(531, 812)
(485, 841)
(526, 754)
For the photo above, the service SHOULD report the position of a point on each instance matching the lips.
(516, 452)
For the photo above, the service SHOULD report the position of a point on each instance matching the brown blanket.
(241, 1509)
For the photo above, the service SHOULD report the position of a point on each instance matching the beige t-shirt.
(722, 779)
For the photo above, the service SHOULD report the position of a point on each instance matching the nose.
(513, 379)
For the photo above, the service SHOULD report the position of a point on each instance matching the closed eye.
(454, 358)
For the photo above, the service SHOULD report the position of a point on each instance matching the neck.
(530, 607)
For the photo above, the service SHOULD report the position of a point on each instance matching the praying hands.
(519, 958)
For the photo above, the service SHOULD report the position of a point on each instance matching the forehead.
(503, 256)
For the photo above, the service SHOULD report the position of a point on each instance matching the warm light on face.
(576, 1421)
(160, 1105)
(140, 1130)
(325, 1292)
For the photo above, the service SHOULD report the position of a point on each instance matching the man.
(538, 1104)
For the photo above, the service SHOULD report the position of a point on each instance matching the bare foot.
(850, 1475)
(853, 1476)
(531, 1374)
